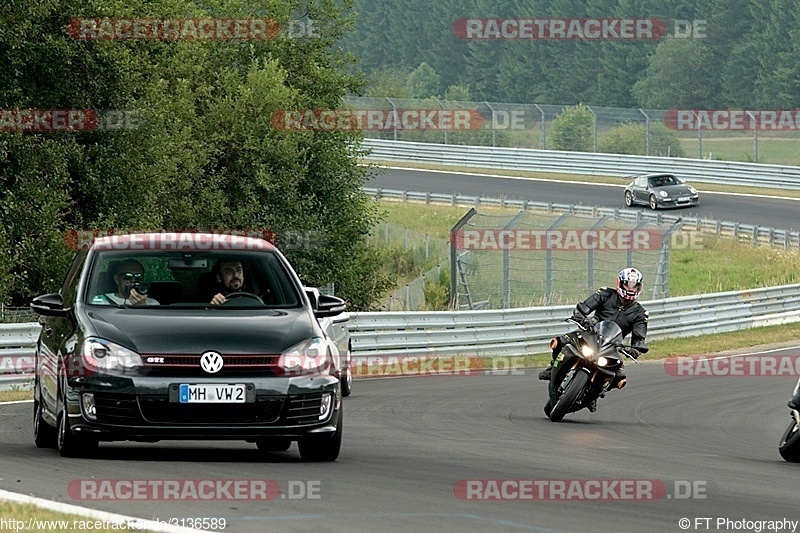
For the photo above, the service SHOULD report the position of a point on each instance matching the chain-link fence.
(532, 259)
(754, 136)
(16, 315)
(421, 263)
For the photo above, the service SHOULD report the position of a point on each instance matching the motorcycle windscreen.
(609, 333)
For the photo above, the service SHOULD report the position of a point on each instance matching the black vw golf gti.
(186, 336)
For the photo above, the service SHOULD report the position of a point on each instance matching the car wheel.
(322, 449)
(274, 445)
(628, 199)
(653, 203)
(347, 377)
(44, 435)
(69, 444)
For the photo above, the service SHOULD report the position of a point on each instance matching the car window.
(181, 279)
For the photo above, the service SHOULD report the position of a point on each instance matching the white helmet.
(629, 284)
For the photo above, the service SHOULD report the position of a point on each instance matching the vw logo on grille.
(211, 362)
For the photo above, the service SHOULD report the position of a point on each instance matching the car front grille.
(189, 365)
(159, 410)
(303, 409)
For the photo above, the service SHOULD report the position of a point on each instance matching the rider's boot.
(555, 344)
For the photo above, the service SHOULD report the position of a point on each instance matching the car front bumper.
(147, 408)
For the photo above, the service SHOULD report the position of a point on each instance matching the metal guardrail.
(527, 331)
(17, 344)
(589, 163)
(755, 235)
(520, 331)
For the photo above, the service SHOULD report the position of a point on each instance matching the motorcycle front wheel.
(790, 444)
(566, 400)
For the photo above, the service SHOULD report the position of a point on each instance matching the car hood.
(677, 190)
(150, 331)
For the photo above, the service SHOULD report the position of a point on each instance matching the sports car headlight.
(100, 355)
(663, 194)
(692, 190)
(308, 357)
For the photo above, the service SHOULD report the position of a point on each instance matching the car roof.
(181, 241)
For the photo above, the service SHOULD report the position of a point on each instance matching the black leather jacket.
(607, 305)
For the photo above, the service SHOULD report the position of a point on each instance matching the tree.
(677, 77)
(424, 82)
(631, 138)
(206, 154)
(573, 130)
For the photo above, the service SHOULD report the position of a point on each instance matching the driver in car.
(230, 276)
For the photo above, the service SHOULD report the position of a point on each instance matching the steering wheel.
(244, 294)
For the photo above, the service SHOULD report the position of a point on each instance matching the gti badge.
(211, 362)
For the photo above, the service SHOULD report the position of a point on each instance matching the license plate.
(684, 199)
(201, 393)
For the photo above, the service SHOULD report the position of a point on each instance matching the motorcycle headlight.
(99, 355)
(308, 357)
(587, 351)
(602, 361)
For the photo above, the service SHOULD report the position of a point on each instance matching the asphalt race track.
(767, 212)
(415, 449)
(409, 442)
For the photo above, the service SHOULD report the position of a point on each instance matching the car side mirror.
(49, 305)
(329, 306)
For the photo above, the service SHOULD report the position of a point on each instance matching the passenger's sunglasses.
(132, 276)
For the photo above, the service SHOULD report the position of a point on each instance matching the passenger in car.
(129, 278)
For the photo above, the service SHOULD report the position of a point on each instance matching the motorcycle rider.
(619, 305)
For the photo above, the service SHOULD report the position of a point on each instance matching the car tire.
(653, 203)
(274, 445)
(69, 444)
(322, 449)
(44, 435)
(628, 199)
(347, 377)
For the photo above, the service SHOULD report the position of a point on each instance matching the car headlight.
(663, 194)
(100, 355)
(308, 357)
(692, 190)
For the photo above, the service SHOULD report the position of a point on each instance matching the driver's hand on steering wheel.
(218, 299)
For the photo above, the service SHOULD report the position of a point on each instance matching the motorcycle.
(583, 371)
(789, 447)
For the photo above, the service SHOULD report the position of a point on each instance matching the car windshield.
(664, 181)
(181, 279)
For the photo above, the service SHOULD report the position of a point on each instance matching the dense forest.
(732, 53)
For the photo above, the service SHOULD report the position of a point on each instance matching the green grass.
(773, 151)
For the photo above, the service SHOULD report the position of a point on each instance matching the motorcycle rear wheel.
(564, 403)
(789, 447)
